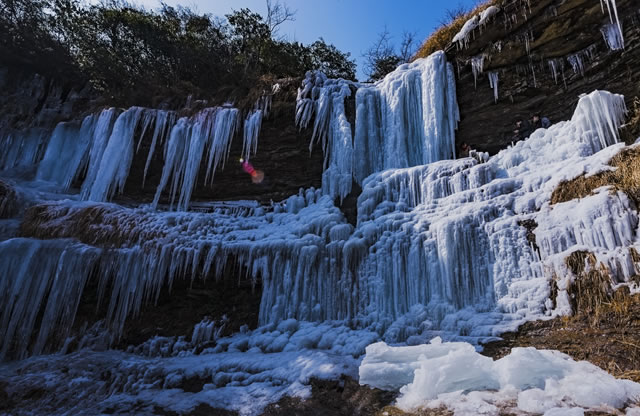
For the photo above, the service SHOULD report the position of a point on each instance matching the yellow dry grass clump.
(443, 35)
(625, 178)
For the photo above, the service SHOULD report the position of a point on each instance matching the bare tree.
(452, 13)
(277, 14)
(381, 50)
(408, 46)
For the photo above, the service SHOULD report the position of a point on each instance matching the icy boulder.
(527, 380)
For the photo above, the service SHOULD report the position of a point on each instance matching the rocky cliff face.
(545, 54)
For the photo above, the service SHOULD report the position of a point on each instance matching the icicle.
(251, 132)
(116, 160)
(612, 9)
(576, 63)
(477, 67)
(99, 141)
(67, 152)
(612, 37)
(493, 83)
(164, 119)
(211, 129)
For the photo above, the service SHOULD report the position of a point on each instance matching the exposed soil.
(608, 338)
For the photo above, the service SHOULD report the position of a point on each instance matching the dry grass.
(592, 285)
(442, 36)
(625, 178)
(394, 411)
(610, 340)
(100, 225)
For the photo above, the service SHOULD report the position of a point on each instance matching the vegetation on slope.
(131, 55)
(452, 23)
(625, 177)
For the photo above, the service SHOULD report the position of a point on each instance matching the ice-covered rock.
(454, 375)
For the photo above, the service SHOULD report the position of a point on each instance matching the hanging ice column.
(212, 129)
(407, 119)
(253, 122)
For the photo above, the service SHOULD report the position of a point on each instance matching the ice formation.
(100, 150)
(612, 10)
(207, 134)
(612, 36)
(462, 37)
(493, 83)
(487, 14)
(407, 119)
(438, 247)
(527, 380)
(477, 67)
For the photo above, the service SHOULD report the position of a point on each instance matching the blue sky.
(351, 25)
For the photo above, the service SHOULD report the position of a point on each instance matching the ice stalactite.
(116, 159)
(477, 67)
(101, 134)
(252, 125)
(322, 99)
(210, 131)
(163, 122)
(22, 149)
(557, 68)
(253, 122)
(612, 9)
(493, 83)
(612, 36)
(40, 277)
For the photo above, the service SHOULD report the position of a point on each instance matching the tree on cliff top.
(136, 56)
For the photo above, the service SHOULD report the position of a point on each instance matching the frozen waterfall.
(438, 248)
(407, 119)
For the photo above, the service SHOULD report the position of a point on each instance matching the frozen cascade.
(211, 129)
(101, 134)
(407, 119)
(493, 83)
(51, 273)
(437, 247)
